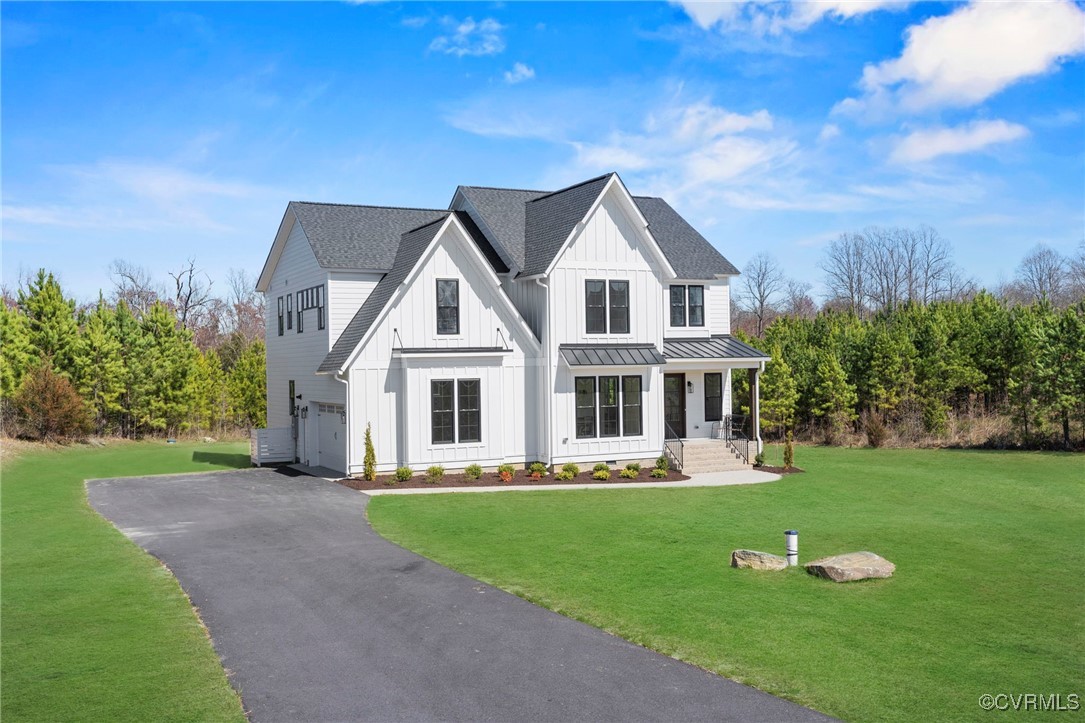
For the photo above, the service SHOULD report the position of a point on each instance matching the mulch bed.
(778, 470)
(491, 479)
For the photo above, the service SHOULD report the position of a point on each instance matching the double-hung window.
(606, 304)
(687, 305)
(456, 411)
(448, 306)
(280, 316)
(289, 311)
(609, 406)
(311, 298)
(301, 314)
(713, 397)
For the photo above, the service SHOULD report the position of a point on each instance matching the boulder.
(757, 560)
(851, 566)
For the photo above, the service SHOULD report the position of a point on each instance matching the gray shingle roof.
(358, 237)
(551, 218)
(689, 253)
(580, 355)
(722, 346)
(411, 247)
(482, 242)
(503, 212)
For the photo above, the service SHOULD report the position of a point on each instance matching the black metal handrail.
(674, 449)
(732, 431)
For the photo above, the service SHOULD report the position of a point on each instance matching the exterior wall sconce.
(342, 417)
(305, 412)
(689, 387)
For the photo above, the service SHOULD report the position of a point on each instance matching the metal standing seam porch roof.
(581, 355)
(721, 346)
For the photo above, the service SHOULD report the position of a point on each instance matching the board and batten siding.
(293, 355)
(392, 391)
(608, 247)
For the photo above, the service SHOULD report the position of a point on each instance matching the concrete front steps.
(710, 455)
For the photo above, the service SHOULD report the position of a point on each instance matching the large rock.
(757, 560)
(852, 566)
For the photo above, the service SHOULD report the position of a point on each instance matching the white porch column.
(755, 407)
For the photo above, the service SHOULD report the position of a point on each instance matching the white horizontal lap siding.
(346, 292)
(293, 355)
(393, 392)
(718, 300)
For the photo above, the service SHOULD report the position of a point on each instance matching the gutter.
(350, 422)
(548, 390)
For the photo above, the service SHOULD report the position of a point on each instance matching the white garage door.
(331, 437)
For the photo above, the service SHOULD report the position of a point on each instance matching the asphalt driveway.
(318, 618)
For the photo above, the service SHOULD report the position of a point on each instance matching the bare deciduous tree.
(1042, 274)
(845, 271)
(192, 292)
(762, 283)
(797, 300)
(133, 285)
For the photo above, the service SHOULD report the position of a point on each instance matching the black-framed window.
(442, 417)
(311, 298)
(696, 305)
(609, 426)
(713, 397)
(678, 306)
(596, 301)
(632, 407)
(280, 316)
(619, 307)
(448, 306)
(293, 401)
(470, 412)
(585, 407)
(301, 314)
(289, 311)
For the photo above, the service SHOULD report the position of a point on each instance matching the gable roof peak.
(574, 186)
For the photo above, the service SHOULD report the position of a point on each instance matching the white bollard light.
(791, 538)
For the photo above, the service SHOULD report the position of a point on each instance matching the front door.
(674, 403)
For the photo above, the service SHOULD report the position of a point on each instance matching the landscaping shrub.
(537, 468)
(369, 466)
(659, 473)
(435, 474)
(635, 466)
(789, 451)
(601, 467)
(473, 471)
(404, 473)
(759, 459)
(876, 431)
(564, 474)
(505, 474)
(49, 407)
(663, 463)
(572, 468)
(628, 473)
(506, 468)
(601, 473)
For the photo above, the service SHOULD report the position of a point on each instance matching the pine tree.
(129, 334)
(370, 463)
(207, 393)
(248, 386)
(16, 353)
(166, 356)
(98, 367)
(834, 398)
(54, 333)
(779, 395)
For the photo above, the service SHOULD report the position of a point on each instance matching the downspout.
(548, 389)
(346, 406)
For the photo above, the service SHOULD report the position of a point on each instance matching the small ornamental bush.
(572, 468)
(601, 473)
(564, 474)
(789, 451)
(663, 463)
(505, 475)
(537, 468)
(391, 481)
(629, 473)
(601, 467)
(759, 460)
(370, 463)
(635, 466)
(473, 471)
(404, 473)
(659, 473)
(506, 468)
(535, 475)
(435, 474)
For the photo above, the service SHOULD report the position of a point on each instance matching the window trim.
(460, 410)
(438, 306)
(588, 307)
(671, 306)
(289, 311)
(608, 306)
(689, 305)
(280, 316)
(617, 406)
(597, 406)
(639, 405)
(577, 408)
(719, 409)
(433, 411)
(611, 307)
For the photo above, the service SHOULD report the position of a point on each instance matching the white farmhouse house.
(582, 325)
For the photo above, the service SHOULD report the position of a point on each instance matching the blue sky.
(152, 132)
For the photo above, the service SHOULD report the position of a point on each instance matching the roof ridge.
(444, 215)
(502, 188)
(575, 185)
(368, 205)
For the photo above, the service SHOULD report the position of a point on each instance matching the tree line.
(905, 347)
(146, 360)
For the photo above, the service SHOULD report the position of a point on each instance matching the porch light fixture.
(689, 387)
(305, 412)
(342, 417)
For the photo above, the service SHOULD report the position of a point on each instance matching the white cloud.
(519, 74)
(776, 18)
(930, 143)
(829, 131)
(417, 21)
(467, 37)
(961, 59)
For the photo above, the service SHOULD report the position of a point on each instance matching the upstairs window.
(280, 316)
(448, 306)
(311, 298)
(687, 305)
(696, 305)
(602, 307)
(678, 306)
(289, 311)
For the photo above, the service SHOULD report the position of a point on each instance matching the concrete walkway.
(318, 618)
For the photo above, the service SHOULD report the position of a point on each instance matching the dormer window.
(606, 303)
(687, 305)
(448, 306)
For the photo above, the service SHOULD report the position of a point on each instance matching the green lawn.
(988, 597)
(92, 628)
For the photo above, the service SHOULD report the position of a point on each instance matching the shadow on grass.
(223, 459)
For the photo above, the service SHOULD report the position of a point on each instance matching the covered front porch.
(701, 429)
